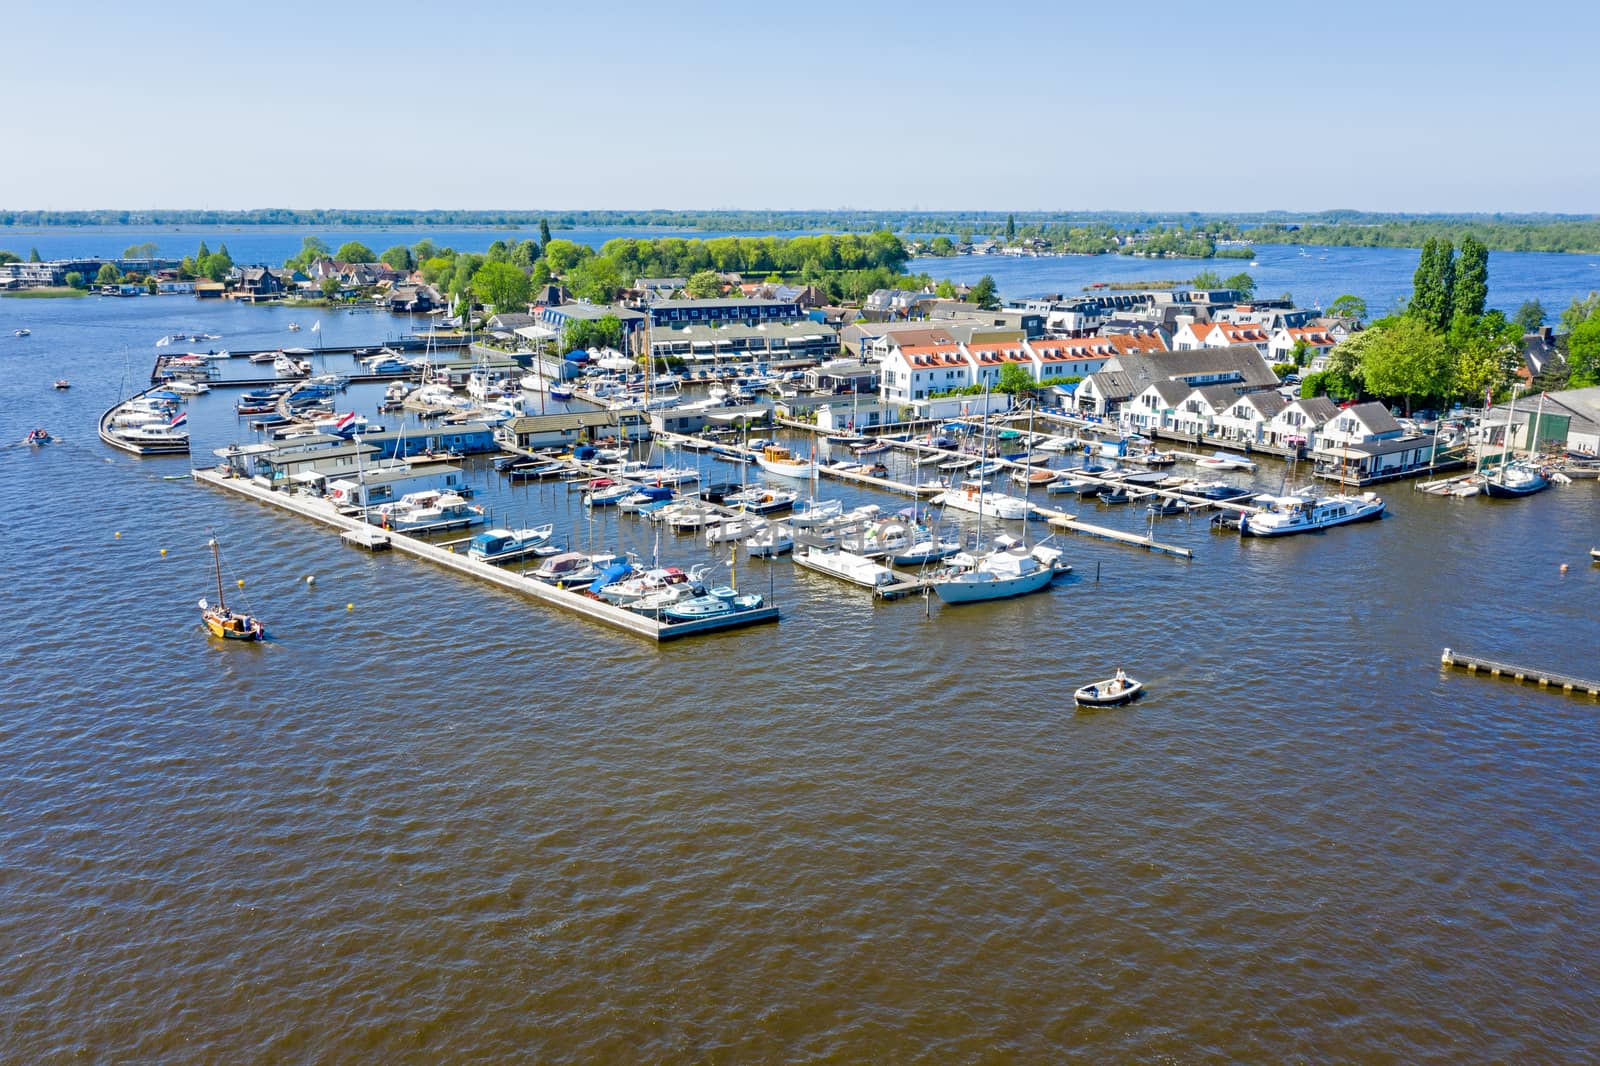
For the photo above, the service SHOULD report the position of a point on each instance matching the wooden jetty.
(1472, 664)
(1068, 524)
(592, 609)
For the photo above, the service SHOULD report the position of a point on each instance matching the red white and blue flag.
(346, 423)
(179, 419)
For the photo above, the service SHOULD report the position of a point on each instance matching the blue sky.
(933, 105)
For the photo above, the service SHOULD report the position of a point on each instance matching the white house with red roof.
(1318, 342)
(1193, 335)
(988, 359)
(915, 371)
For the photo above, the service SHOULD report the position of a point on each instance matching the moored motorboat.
(1284, 515)
(1225, 461)
(997, 576)
(505, 545)
(775, 459)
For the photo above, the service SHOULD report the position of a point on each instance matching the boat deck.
(1472, 664)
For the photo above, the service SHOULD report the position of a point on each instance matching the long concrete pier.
(594, 610)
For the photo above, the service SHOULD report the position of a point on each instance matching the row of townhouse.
(911, 372)
(1275, 345)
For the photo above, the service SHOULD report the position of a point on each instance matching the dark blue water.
(449, 823)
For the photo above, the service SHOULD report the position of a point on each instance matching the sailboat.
(222, 622)
(1517, 477)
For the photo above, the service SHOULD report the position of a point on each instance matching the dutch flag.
(179, 419)
(316, 327)
(345, 424)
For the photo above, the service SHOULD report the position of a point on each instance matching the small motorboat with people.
(1594, 553)
(37, 437)
(63, 384)
(1112, 692)
(294, 327)
(221, 620)
(22, 332)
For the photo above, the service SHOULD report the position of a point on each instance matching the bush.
(75, 280)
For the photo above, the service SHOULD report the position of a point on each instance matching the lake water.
(1381, 276)
(451, 824)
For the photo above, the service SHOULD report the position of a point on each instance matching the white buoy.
(311, 579)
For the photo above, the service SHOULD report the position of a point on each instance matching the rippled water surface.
(451, 824)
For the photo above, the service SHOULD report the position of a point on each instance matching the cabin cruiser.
(504, 545)
(973, 499)
(427, 512)
(1302, 513)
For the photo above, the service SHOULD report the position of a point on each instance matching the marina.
(424, 774)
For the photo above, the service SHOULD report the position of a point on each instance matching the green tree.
(525, 254)
(423, 250)
(603, 332)
(544, 233)
(354, 252)
(595, 279)
(502, 286)
(1433, 284)
(942, 246)
(151, 286)
(9, 257)
(33, 255)
(564, 255)
(704, 285)
(1583, 354)
(75, 280)
(1472, 279)
(1241, 283)
(1580, 311)
(109, 275)
(946, 290)
(399, 257)
(1015, 379)
(1011, 229)
(330, 287)
(145, 250)
(985, 294)
(1530, 316)
(311, 249)
(1206, 279)
(1348, 306)
(1404, 358)
(216, 265)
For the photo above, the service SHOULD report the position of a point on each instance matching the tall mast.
(1533, 437)
(216, 557)
(1505, 442)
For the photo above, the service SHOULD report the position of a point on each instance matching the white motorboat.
(287, 366)
(428, 512)
(188, 388)
(972, 498)
(775, 459)
(153, 435)
(774, 540)
(996, 576)
(762, 501)
(808, 514)
(732, 529)
(1225, 461)
(1283, 515)
(847, 566)
(505, 545)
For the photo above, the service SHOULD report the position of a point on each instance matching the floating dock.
(354, 531)
(1472, 664)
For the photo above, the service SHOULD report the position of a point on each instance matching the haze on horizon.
(1025, 106)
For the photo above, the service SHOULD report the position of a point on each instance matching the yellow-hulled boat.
(222, 622)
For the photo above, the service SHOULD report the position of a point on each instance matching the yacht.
(1515, 480)
(775, 459)
(504, 545)
(973, 499)
(774, 540)
(1225, 461)
(996, 576)
(1283, 515)
(428, 512)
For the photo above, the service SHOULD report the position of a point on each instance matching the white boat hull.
(974, 589)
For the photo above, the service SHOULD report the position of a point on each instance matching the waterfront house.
(875, 340)
(1300, 421)
(258, 283)
(1156, 406)
(1318, 343)
(914, 372)
(674, 312)
(1065, 359)
(557, 318)
(1365, 443)
(1248, 418)
(1241, 368)
(989, 359)
(1192, 335)
(803, 340)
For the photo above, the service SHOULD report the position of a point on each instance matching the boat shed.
(371, 489)
(573, 427)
